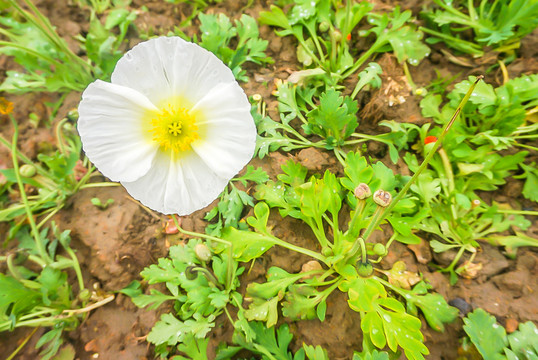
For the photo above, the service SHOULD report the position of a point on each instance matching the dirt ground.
(115, 244)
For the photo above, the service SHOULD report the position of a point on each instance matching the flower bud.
(191, 273)
(84, 295)
(337, 35)
(202, 252)
(27, 170)
(382, 198)
(310, 266)
(323, 26)
(72, 115)
(421, 91)
(6, 107)
(364, 269)
(380, 249)
(362, 191)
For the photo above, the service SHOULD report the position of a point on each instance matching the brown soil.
(115, 244)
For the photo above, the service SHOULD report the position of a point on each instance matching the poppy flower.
(430, 139)
(173, 126)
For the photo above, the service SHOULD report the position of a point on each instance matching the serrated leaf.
(488, 336)
(407, 45)
(523, 342)
(171, 331)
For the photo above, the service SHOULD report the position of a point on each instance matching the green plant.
(44, 298)
(201, 284)
(232, 202)
(218, 35)
(491, 341)
(332, 118)
(469, 162)
(499, 25)
(49, 64)
(324, 28)
(53, 178)
(97, 202)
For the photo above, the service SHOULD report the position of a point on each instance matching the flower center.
(174, 128)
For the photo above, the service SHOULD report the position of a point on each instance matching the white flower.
(173, 126)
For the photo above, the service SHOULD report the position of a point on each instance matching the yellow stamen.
(174, 128)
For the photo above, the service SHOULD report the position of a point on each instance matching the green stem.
(341, 158)
(76, 267)
(518, 212)
(357, 215)
(526, 146)
(427, 159)
(450, 179)
(296, 248)
(19, 348)
(39, 245)
(379, 43)
(99, 184)
(454, 262)
(409, 78)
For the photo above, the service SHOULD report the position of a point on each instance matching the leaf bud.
(323, 26)
(362, 191)
(364, 269)
(191, 273)
(202, 252)
(382, 198)
(27, 170)
(380, 249)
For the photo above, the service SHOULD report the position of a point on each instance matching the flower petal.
(229, 131)
(164, 67)
(177, 186)
(111, 128)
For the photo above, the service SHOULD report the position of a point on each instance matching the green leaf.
(194, 348)
(294, 173)
(531, 181)
(275, 17)
(171, 331)
(263, 310)
(488, 336)
(277, 281)
(335, 117)
(315, 353)
(369, 76)
(400, 328)
(300, 302)
(523, 342)
(15, 298)
(266, 340)
(362, 293)
(407, 45)
(371, 355)
(247, 245)
(434, 307)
